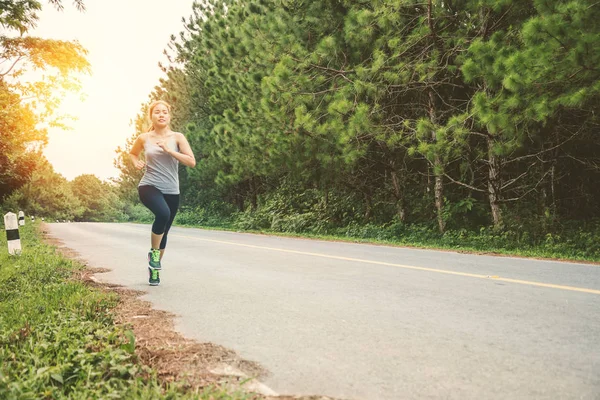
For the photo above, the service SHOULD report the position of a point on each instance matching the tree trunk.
(549, 205)
(253, 193)
(239, 199)
(553, 188)
(439, 195)
(368, 207)
(400, 210)
(494, 185)
(438, 167)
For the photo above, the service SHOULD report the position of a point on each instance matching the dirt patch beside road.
(174, 357)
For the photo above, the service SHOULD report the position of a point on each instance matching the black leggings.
(163, 206)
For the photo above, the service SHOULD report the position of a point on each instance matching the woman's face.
(160, 116)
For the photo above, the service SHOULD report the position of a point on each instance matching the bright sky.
(125, 40)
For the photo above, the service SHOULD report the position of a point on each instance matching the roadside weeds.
(177, 359)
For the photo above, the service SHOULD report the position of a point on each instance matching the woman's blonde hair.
(151, 108)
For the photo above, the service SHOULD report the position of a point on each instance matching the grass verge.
(579, 246)
(58, 337)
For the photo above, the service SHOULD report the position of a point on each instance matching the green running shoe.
(154, 259)
(154, 277)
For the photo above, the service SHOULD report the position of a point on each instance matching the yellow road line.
(441, 271)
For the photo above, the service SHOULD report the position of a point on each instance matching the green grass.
(58, 339)
(573, 244)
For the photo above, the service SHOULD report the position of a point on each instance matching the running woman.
(159, 187)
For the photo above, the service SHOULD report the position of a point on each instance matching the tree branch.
(527, 192)
(464, 184)
(541, 152)
(3, 74)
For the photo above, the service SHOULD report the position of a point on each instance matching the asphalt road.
(357, 321)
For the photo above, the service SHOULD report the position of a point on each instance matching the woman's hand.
(139, 164)
(163, 145)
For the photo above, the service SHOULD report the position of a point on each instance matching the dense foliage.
(463, 121)
(85, 198)
(450, 115)
(28, 105)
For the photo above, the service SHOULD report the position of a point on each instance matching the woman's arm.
(136, 149)
(184, 155)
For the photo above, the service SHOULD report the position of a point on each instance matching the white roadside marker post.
(21, 218)
(12, 234)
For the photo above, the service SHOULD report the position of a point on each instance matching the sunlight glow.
(125, 41)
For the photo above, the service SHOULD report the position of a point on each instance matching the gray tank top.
(162, 170)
